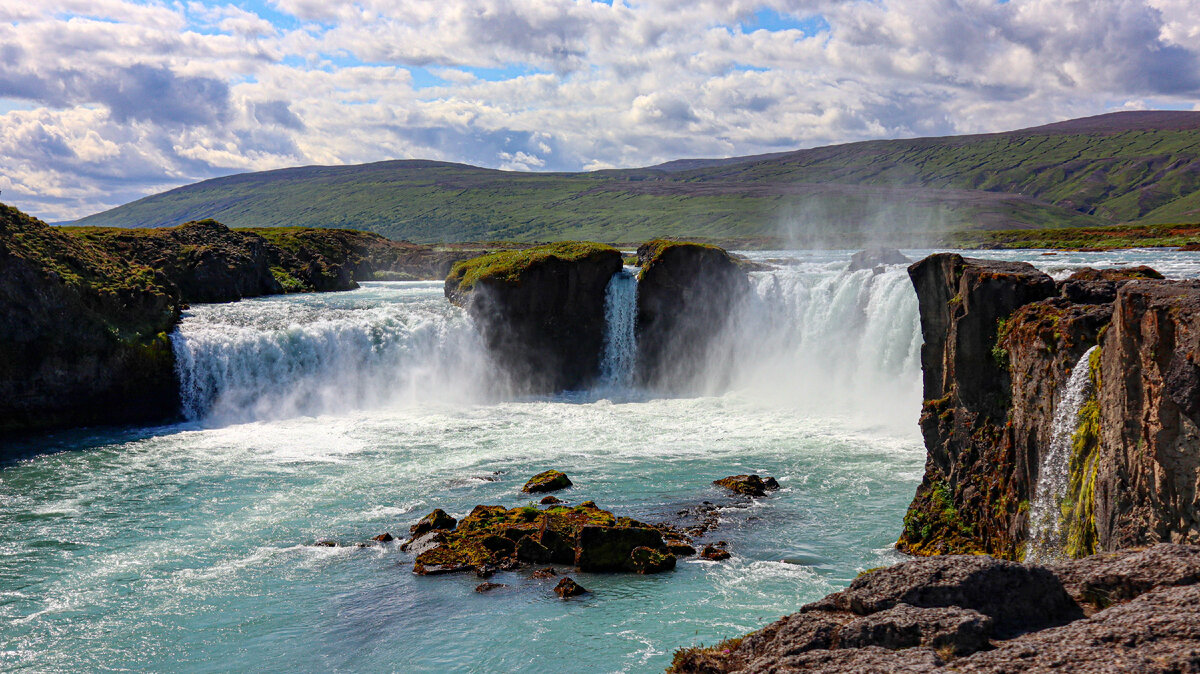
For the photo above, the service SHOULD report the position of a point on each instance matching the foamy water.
(344, 415)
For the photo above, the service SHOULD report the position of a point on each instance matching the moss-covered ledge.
(508, 267)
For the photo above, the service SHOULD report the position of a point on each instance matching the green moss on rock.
(1078, 506)
(507, 266)
(549, 480)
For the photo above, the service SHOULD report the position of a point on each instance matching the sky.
(105, 101)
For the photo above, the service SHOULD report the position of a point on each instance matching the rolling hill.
(1127, 167)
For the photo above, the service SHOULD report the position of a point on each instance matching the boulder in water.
(567, 587)
(748, 485)
(714, 553)
(385, 537)
(646, 560)
(551, 500)
(872, 258)
(548, 480)
(547, 572)
(438, 519)
(488, 587)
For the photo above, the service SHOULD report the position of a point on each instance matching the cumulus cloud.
(104, 101)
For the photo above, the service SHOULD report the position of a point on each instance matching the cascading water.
(1045, 523)
(620, 331)
(319, 354)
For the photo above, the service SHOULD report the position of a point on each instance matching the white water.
(1045, 524)
(276, 358)
(620, 334)
(812, 334)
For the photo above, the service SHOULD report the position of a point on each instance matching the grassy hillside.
(1123, 167)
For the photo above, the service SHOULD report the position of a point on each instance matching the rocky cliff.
(540, 311)
(1001, 339)
(83, 334)
(1134, 611)
(688, 293)
(210, 262)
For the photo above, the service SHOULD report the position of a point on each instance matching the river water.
(343, 415)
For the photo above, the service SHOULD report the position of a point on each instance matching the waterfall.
(1045, 522)
(620, 336)
(811, 336)
(322, 354)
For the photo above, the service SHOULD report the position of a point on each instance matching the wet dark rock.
(438, 519)
(602, 548)
(426, 541)
(713, 553)
(549, 480)
(551, 500)
(645, 560)
(748, 485)
(540, 311)
(488, 587)
(688, 295)
(1115, 274)
(569, 588)
(486, 570)
(680, 549)
(876, 257)
(324, 543)
(547, 572)
(385, 537)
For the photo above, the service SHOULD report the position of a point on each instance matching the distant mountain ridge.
(1138, 167)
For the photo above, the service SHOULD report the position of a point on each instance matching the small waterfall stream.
(1045, 521)
(620, 336)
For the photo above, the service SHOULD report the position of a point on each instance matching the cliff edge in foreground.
(1133, 611)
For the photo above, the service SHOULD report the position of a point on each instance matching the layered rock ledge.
(1132, 611)
(1000, 341)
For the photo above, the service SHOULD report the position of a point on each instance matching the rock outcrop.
(873, 258)
(540, 311)
(1001, 340)
(1135, 611)
(83, 334)
(210, 262)
(586, 536)
(688, 294)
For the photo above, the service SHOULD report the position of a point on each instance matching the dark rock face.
(543, 321)
(1148, 474)
(876, 257)
(610, 548)
(687, 296)
(978, 614)
(83, 334)
(1001, 340)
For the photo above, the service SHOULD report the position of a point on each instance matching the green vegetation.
(1082, 238)
(508, 265)
(1078, 507)
(932, 525)
(917, 190)
(687, 659)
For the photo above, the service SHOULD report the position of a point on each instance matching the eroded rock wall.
(1001, 339)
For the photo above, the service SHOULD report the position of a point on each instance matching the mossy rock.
(438, 519)
(549, 480)
(647, 560)
(498, 536)
(748, 485)
(507, 266)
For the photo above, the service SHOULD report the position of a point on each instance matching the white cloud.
(129, 97)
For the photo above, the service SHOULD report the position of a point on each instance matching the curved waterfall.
(812, 336)
(1045, 522)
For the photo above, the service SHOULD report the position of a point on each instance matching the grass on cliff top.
(1104, 238)
(508, 265)
(74, 260)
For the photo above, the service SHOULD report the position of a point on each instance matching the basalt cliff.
(85, 312)
(1000, 341)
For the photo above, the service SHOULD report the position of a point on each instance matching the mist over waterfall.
(826, 340)
(1045, 522)
(620, 333)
